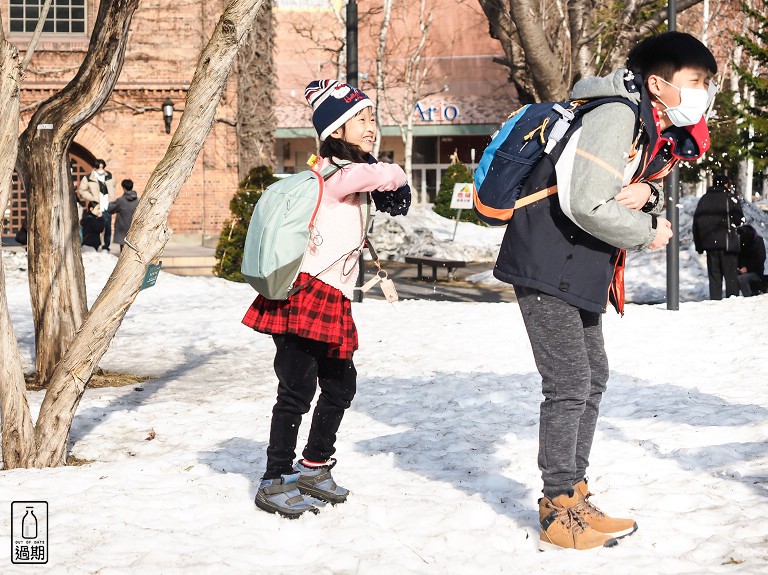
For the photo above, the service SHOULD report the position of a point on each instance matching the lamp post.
(352, 43)
(167, 114)
(352, 81)
(672, 190)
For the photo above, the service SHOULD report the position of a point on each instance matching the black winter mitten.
(394, 203)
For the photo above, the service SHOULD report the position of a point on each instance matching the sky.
(438, 448)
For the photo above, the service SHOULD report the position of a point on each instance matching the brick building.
(471, 95)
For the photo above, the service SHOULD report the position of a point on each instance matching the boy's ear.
(654, 85)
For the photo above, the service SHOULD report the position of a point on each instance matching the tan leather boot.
(563, 528)
(613, 526)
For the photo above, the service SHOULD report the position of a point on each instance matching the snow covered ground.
(438, 449)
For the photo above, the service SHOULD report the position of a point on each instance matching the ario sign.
(436, 113)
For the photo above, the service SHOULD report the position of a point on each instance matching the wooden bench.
(435, 263)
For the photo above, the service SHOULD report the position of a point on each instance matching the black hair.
(343, 150)
(127, 185)
(747, 232)
(721, 181)
(666, 53)
(87, 210)
(98, 163)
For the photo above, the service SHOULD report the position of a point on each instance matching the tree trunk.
(255, 95)
(543, 63)
(56, 276)
(421, 194)
(582, 54)
(413, 81)
(381, 54)
(764, 183)
(17, 430)
(148, 234)
(503, 29)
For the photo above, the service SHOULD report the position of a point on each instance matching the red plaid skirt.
(317, 311)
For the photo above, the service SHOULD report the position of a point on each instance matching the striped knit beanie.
(333, 103)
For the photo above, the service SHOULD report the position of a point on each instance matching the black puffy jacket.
(715, 220)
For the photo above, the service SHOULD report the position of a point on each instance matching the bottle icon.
(29, 524)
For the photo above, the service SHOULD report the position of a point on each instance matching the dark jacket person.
(717, 216)
(751, 261)
(123, 208)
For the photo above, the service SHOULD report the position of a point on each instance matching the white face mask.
(694, 103)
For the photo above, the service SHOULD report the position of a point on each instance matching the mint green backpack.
(281, 227)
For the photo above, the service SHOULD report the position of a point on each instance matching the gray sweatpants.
(568, 347)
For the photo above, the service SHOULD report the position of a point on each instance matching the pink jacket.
(340, 223)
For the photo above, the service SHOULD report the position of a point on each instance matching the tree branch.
(36, 35)
(661, 16)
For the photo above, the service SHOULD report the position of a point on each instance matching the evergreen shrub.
(455, 174)
(229, 251)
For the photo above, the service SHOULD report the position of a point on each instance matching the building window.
(64, 16)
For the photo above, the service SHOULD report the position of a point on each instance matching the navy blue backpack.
(516, 149)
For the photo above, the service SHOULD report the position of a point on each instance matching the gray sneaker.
(318, 482)
(282, 496)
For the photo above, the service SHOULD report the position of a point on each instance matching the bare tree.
(328, 41)
(56, 276)
(17, 429)
(45, 444)
(547, 50)
(256, 79)
(381, 55)
(409, 82)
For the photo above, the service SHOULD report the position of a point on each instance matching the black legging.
(300, 364)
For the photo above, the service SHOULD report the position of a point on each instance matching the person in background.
(751, 265)
(123, 207)
(99, 186)
(92, 224)
(22, 234)
(717, 216)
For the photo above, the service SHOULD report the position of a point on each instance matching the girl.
(92, 223)
(313, 330)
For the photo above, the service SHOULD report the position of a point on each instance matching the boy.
(564, 256)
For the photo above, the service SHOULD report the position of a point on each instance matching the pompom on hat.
(333, 103)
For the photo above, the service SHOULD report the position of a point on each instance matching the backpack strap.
(332, 168)
(584, 106)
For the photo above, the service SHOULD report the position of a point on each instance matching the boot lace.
(572, 520)
(586, 506)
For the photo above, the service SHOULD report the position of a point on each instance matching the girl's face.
(359, 130)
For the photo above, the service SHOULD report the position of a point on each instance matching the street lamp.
(167, 114)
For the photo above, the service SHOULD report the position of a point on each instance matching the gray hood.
(130, 195)
(612, 85)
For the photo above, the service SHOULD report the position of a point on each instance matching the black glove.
(394, 203)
